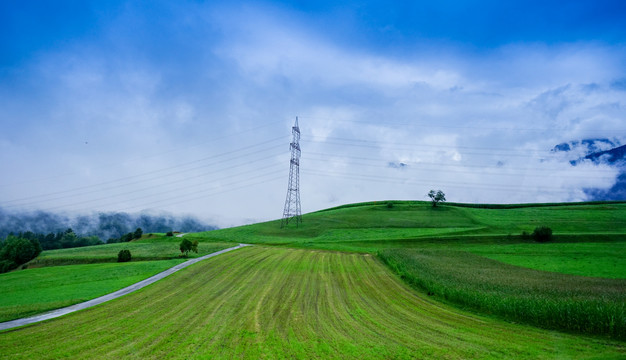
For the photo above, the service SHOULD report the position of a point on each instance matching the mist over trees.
(103, 225)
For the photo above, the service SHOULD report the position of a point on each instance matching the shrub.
(542, 234)
(186, 246)
(390, 205)
(123, 256)
(169, 233)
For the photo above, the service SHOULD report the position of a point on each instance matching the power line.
(169, 171)
(384, 179)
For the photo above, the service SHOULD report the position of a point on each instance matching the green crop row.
(546, 299)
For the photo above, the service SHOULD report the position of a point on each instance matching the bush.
(123, 256)
(542, 234)
(169, 233)
(186, 246)
(390, 205)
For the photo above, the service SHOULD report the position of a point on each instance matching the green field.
(94, 272)
(322, 290)
(148, 248)
(373, 226)
(32, 291)
(546, 299)
(284, 303)
(597, 259)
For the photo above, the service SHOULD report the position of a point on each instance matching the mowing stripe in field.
(114, 295)
(278, 303)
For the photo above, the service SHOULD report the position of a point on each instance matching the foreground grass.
(33, 291)
(546, 299)
(285, 303)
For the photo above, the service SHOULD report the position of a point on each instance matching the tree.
(186, 246)
(17, 251)
(194, 246)
(123, 256)
(542, 234)
(137, 234)
(126, 237)
(436, 197)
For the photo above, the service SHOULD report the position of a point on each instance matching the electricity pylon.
(292, 202)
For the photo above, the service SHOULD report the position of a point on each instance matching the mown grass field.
(281, 303)
(589, 241)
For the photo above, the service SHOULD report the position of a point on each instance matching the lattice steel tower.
(292, 202)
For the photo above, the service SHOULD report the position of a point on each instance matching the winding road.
(114, 295)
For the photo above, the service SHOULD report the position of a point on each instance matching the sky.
(186, 107)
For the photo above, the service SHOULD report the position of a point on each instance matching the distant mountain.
(612, 156)
(600, 151)
(588, 145)
(103, 225)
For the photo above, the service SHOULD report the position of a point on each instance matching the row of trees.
(127, 237)
(60, 240)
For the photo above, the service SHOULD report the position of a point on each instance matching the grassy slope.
(33, 291)
(92, 274)
(286, 303)
(490, 232)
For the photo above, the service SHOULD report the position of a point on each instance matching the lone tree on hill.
(436, 197)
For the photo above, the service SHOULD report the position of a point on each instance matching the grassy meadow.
(33, 291)
(371, 280)
(370, 227)
(49, 284)
(277, 303)
(155, 247)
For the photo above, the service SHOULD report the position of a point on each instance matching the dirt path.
(114, 295)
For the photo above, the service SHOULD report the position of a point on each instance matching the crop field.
(547, 299)
(596, 259)
(261, 302)
(33, 291)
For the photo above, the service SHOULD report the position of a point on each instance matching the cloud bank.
(188, 107)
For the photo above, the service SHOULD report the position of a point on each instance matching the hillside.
(377, 280)
(375, 225)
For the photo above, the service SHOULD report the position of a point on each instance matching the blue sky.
(186, 106)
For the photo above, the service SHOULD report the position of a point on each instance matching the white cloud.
(478, 125)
